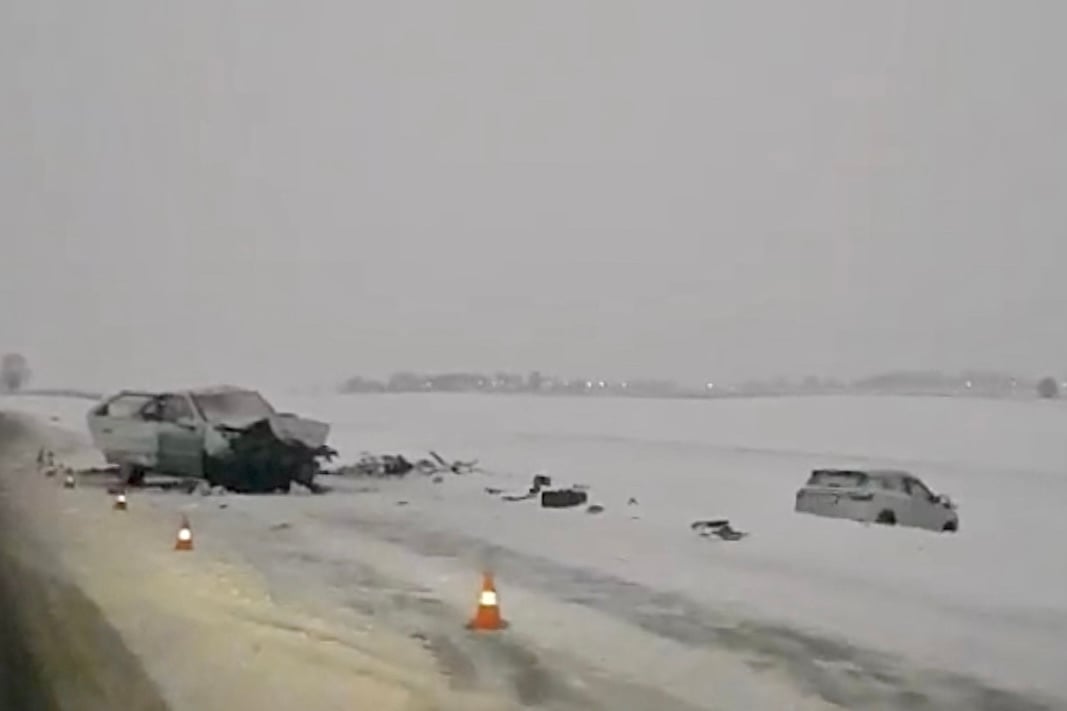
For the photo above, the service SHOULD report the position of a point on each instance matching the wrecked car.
(230, 437)
(887, 497)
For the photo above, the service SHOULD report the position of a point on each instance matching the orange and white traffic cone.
(120, 501)
(487, 616)
(185, 537)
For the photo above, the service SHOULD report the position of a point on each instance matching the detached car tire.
(562, 499)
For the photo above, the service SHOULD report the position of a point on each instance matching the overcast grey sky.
(261, 191)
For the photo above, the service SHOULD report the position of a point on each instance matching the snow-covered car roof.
(204, 391)
(220, 390)
(885, 473)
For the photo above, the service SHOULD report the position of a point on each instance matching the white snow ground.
(825, 611)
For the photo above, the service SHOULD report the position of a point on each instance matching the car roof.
(879, 473)
(891, 473)
(210, 390)
(137, 393)
(219, 390)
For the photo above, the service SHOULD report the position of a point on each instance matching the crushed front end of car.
(265, 457)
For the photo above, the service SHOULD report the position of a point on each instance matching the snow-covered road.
(805, 613)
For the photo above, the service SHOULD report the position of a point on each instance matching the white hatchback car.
(876, 495)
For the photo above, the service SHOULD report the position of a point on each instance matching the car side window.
(175, 409)
(125, 406)
(917, 489)
(152, 410)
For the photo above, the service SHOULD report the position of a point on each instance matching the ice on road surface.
(805, 612)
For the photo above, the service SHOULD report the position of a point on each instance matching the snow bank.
(989, 602)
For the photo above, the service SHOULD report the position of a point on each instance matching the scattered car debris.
(397, 465)
(595, 509)
(706, 525)
(719, 528)
(563, 498)
(456, 467)
(370, 465)
(493, 492)
(205, 489)
(540, 481)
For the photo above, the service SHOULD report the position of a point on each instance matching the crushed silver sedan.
(229, 436)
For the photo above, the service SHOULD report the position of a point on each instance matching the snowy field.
(850, 615)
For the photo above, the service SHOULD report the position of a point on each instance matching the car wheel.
(950, 527)
(887, 518)
(131, 475)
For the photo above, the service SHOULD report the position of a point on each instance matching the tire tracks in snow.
(470, 661)
(836, 671)
(58, 651)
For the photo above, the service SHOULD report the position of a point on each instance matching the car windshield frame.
(916, 487)
(126, 406)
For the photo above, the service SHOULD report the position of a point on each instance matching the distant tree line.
(410, 382)
(968, 383)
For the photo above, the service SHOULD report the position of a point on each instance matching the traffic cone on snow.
(487, 616)
(185, 537)
(120, 501)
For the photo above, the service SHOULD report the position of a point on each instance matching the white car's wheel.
(886, 518)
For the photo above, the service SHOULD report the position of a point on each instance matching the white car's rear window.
(838, 479)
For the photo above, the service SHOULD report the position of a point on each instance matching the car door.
(121, 430)
(923, 512)
(181, 438)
